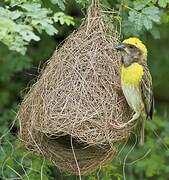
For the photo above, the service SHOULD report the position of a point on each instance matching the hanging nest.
(68, 112)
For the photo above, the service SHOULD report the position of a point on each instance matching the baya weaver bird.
(136, 82)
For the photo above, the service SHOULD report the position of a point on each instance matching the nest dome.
(75, 100)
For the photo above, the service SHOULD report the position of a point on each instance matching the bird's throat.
(132, 74)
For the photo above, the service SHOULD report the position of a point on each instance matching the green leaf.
(144, 18)
(60, 3)
(26, 32)
(38, 18)
(147, 23)
(137, 19)
(63, 19)
(6, 14)
(21, 19)
(152, 13)
(128, 29)
(139, 5)
(163, 3)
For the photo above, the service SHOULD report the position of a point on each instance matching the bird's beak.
(120, 47)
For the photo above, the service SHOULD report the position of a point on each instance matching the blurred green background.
(30, 30)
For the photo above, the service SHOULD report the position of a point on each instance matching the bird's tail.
(142, 131)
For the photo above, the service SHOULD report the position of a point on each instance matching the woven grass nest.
(67, 114)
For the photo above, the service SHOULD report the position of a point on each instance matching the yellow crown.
(138, 43)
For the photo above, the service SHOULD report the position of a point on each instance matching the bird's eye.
(131, 47)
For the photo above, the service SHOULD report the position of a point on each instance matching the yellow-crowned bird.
(136, 81)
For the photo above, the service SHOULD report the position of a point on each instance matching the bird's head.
(133, 50)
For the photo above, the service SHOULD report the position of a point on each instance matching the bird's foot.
(117, 125)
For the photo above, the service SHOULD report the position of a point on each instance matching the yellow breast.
(132, 74)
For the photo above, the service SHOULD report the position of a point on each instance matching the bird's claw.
(117, 125)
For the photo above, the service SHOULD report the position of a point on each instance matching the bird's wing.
(147, 92)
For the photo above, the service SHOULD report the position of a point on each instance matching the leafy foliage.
(144, 18)
(63, 19)
(19, 27)
(163, 3)
(60, 3)
(142, 15)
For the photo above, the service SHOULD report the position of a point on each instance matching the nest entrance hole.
(66, 141)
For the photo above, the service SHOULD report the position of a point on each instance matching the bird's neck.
(132, 74)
